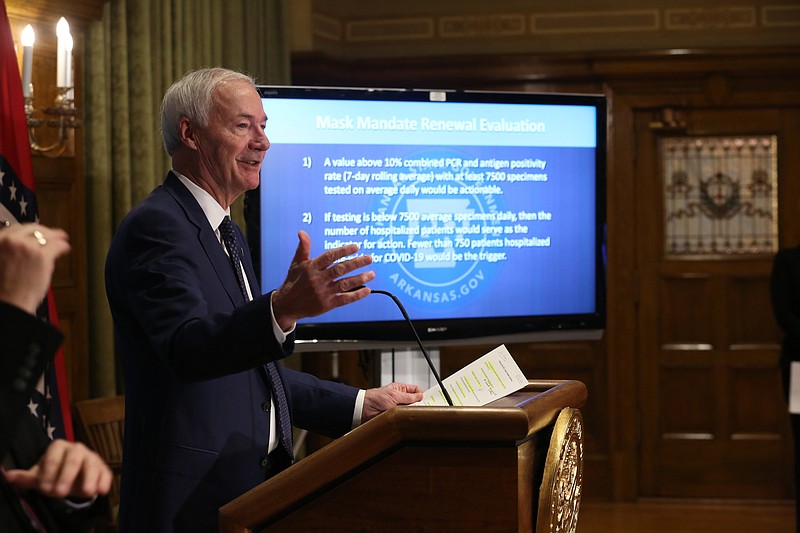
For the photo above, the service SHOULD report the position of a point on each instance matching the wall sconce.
(63, 114)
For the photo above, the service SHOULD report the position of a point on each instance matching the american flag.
(50, 401)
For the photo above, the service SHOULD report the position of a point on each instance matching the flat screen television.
(484, 212)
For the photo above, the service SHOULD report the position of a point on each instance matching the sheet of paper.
(493, 376)
(794, 388)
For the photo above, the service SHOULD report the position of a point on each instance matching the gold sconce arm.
(64, 116)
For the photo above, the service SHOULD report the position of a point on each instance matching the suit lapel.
(207, 238)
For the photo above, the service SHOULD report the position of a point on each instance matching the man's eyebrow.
(251, 116)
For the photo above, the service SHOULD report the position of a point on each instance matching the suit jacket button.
(19, 384)
(34, 350)
(265, 407)
(264, 462)
(29, 361)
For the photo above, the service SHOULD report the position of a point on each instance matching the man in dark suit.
(44, 485)
(206, 408)
(785, 295)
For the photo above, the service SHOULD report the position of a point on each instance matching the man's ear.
(188, 133)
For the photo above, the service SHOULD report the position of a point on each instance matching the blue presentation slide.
(468, 210)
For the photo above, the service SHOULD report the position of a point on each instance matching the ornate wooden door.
(713, 419)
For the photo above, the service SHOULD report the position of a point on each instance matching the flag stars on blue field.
(23, 205)
(19, 197)
(32, 407)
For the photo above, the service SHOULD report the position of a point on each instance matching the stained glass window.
(720, 195)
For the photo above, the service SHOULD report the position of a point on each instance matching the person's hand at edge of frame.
(28, 253)
(66, 469)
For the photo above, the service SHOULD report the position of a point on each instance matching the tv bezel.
(448, 332)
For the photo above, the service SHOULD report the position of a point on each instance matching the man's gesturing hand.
(315, 286)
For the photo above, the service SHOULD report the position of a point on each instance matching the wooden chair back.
(100, 423)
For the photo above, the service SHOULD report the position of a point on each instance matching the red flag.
(17, 200)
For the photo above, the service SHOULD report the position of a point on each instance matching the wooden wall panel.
(722, 477)
(60, 193)
(687, 399)
(687, 312)
(57, 206)
(755, 404)
(746, 293)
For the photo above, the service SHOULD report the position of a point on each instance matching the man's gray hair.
(190, 97)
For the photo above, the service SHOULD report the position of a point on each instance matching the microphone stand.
(419, 342)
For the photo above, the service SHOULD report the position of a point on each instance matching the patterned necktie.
(228, 234)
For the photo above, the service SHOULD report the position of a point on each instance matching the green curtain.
(132, 55)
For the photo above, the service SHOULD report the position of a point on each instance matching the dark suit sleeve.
(165, 289)
(27, 345)
(320, 406)
(785, 293)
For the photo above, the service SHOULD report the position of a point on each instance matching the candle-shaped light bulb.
(62, 27)
(62, 32)
(28, 37)
(68, 60)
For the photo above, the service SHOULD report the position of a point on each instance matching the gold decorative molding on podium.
(560, 493)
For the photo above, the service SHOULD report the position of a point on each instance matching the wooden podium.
(435, 469)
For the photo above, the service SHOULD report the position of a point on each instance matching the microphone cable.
(419, 342)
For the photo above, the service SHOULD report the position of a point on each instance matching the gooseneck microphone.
(419, 342)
